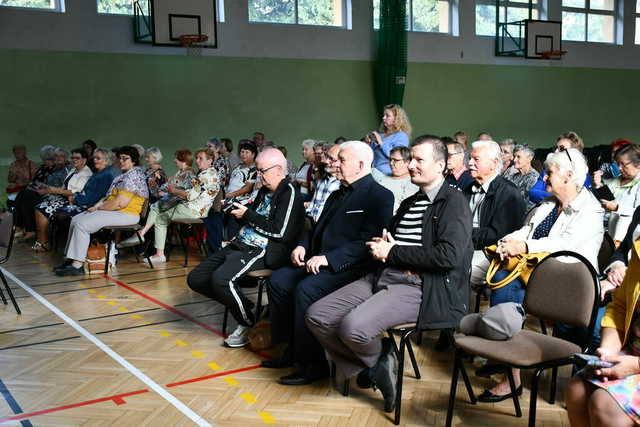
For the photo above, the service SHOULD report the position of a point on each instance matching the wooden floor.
(52, 376)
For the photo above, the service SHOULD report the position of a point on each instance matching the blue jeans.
(578, 335)
(511, 292)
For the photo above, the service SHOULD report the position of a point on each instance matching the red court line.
(178, 312)
(118, 399)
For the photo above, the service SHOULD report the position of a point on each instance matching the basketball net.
(193, 43)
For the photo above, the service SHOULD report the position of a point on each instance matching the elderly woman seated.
(601, 396)
(399, 182)
(571, 219)
(21, 171)
(122, 206)
(156, 176)
(522, 174)
(56, 197)
(52, 173)
(625, 190)
(74, 198)
(197, 201)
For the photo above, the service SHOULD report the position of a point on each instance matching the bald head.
(272, 167)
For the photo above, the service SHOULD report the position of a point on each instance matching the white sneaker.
(131, 241)
(156, 258)
(239, 337)
(113, 252)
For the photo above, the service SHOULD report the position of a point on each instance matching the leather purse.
(519, 266)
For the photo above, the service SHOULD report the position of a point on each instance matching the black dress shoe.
(490, 369)
(70, 270)
(386, 375)
(65, 264)
(284, 361)
(489, 397)
(445, 341)
(305, 375)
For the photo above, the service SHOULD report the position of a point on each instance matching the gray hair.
(61, 150)
(569, 160)
(363, 151)
(155, 153)
(528, 151)
(108, 155)
(492, 148)
(215, 142)
(47, 152)
(322, 144)
(140, 150)
(308, 143)
(509, 142)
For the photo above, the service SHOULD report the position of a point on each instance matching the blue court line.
(13, 404)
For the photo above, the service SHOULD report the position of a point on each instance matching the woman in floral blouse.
(197, 202)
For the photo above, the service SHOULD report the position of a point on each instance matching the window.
(52, 5)
(428, 16)
(637, 16)
(589, 20)
(304, 12)
(510, 11)
(125, 7)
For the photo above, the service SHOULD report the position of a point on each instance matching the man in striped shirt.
(423, 277)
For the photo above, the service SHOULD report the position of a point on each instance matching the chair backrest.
(7, 230)
(144, 212)
(564, 288)
(606, 250)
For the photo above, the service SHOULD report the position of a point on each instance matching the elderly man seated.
(332, 254)
(423, 277)
(272, 226)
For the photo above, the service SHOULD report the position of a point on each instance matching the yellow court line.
(92, 291)
(248, 397)
(164, 333)
(266, 417)
(136, 316)
(101, 296)
(197, 354)
(181, 343)
(231, 381)
(112, 303)
(214, 366)
(122, 309)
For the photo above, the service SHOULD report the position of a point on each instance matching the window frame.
(636, 20)
(59, 7)
(587, 10)
(219, 11)
(346, 18)
(540, 7)
(452, 6)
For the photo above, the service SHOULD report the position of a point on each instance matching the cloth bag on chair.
(519, 266)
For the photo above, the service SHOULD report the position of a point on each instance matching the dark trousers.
(26, 202)
(232, 226)
(217, 278)
(291, 292)
(214, 225)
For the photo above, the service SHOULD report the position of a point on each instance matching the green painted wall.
(63, 98)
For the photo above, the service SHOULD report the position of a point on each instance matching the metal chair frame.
(262, 281)
(135, 228)
(539, 367)
(5, 259)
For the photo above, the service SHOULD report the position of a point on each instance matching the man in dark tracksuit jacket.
(272, 227)
(424, 278)
(332, 254)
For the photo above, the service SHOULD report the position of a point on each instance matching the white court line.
(115, 356)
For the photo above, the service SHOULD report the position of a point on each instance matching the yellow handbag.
(519, 266)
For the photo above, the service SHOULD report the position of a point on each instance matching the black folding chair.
(135, 228)
(7, 231)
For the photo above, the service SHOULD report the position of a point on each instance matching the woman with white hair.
(522, 174)
(154, 173)
(569, 220)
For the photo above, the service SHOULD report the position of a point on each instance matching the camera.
(227, 206)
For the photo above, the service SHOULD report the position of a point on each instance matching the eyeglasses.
(565, 150)
(392, 160)
(263, 171)
(124, 158)
(623, 164)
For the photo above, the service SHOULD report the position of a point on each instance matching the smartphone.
(594, 361)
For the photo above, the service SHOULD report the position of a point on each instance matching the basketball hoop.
(553, 54)
(193, 43)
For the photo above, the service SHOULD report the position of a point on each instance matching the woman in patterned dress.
(197, 202)
(156, 177)
(611, 396)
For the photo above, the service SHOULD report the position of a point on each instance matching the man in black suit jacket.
(332, 254)
(496, 205)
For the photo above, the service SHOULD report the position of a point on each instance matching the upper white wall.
(80, 28)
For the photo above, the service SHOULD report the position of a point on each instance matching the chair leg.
(4, 300)
(412, 356)
(419, 338)
(534, 396)
(106, 260)
(454, 387)
(543, 327)
(13, 300)
(467, 382)
(478, 298)
(516, 401)
(554, 383)
(259, 303)
(224, 321)
(185, 246)
(396, 419)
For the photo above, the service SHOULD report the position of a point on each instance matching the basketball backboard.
(541, 37)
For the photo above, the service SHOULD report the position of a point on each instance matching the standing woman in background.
(395, 131)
